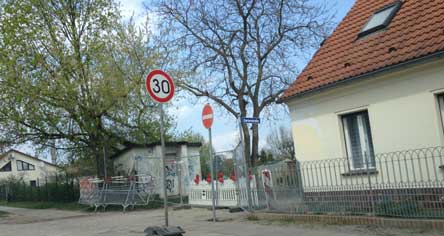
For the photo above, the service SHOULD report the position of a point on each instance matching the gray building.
(182, 160)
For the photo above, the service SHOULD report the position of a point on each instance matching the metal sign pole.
(216, 178)
(104, 162)
(212, 175)
(179, 170)
(162, 141)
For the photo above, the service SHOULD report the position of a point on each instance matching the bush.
(397, 208)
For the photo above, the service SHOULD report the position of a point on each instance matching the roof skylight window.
(380, 19)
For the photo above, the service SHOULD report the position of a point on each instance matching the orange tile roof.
(416, 31)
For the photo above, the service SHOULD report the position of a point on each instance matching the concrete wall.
(402, 108)
(182, 161)
(41, 171)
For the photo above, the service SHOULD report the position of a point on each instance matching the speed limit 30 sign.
(160, 86)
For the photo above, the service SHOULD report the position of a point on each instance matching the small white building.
(182, 160)
(24, 167)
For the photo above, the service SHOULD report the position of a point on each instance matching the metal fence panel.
(399, 184)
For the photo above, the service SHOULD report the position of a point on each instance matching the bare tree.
(242, 54)
(280, 143)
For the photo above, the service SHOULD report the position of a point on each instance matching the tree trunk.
(96, 155)
(255, 145)
(98, 164)
(247, 144)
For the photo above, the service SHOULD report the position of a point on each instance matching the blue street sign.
(251, 120)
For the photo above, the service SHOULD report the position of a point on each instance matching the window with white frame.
(441, 108)
(358, 140)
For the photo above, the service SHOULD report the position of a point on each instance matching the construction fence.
(119, 190)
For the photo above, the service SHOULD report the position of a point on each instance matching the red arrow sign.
(207, 116)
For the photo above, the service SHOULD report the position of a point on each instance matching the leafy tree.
(204, 153)
(228, 167)
(280, 143)
(189, 136)
(71, 76)
(242, 54)
(265, 157)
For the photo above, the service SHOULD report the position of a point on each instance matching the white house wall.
(402, 109)
(42, 169)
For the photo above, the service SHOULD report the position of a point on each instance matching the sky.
(188, 112)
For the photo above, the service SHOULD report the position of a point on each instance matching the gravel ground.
(24, 222)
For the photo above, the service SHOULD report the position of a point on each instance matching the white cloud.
(136, 10)
(184, 111)
(131, 8)
(225, 141)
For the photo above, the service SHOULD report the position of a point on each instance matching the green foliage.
(189, 136)
(204, 153)
(227, 167)
(280, 143)
(252, 217)
(3, 213)
(403, 208)
(46, 205)
(72, 74)
(265, 157)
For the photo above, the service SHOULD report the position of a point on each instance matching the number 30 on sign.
(160, 86)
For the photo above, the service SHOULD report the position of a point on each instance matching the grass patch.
(252, 218)
(72, 206)
(272, 221)
(155, 203)
(3, 214)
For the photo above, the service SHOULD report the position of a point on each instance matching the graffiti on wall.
(170, 185)
(171, 178)
(170, 170)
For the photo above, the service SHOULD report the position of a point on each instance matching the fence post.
(179, 170)
(38, 190)
(56, 191)
(371, 196)
(66, 189)
(7, 192)
(46, 188)
(236, 177)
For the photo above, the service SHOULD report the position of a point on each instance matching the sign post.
(160, 87)
(247, 120)
(207, 120)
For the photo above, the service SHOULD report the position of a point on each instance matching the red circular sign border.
(212, 119)
(152, 95)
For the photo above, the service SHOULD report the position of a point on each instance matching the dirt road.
(25, 222)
